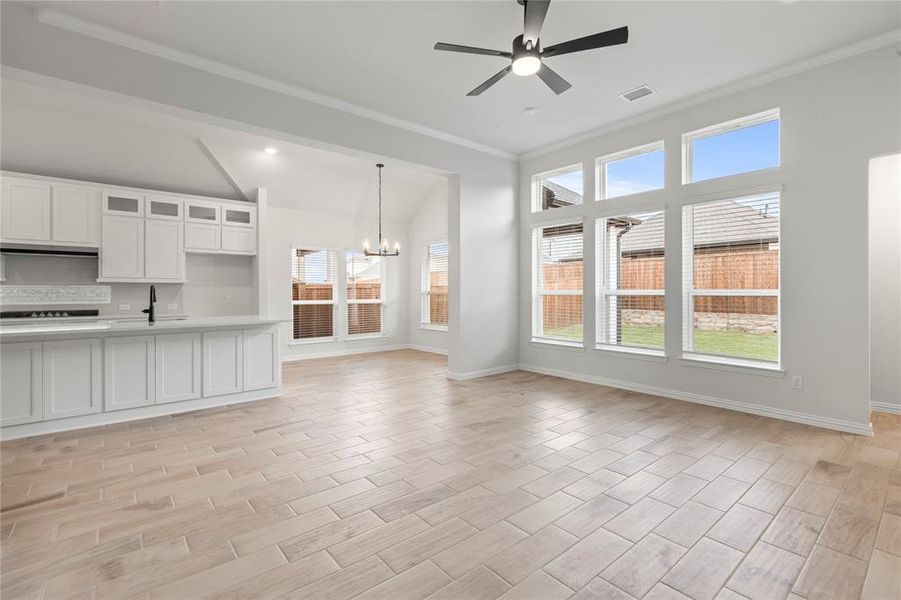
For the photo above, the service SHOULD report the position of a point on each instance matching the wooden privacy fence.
(717, 268)
(317, 320)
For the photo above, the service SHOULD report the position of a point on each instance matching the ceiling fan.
(527, 57)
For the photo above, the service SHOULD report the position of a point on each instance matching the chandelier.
(383, 244)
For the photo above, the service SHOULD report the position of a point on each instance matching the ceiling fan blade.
(471, 50)
(491, 81)
(613, 37)
(536, 10)
(553, 80)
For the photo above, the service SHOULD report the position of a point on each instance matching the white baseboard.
(429, 349)
(765, 411)
(13, 432)
(481, 373)
(287, 357)
(886, 407)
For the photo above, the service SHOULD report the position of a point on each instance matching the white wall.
(834, 119)
(428, 225)
(287, 228)
(885, 283)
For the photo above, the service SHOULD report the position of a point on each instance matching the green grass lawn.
(753, 346)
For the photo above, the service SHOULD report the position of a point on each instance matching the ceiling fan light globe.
(526, 65)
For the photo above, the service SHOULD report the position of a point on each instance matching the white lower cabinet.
(21, 383)
(223, 362)
(128, 372)
(261, 363)
(178, 366)
(71, 370)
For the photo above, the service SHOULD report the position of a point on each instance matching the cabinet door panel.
(223, 362)
(178, 366)
(122, 203)
(239, 239)
(201, 237)
(122, 248)
(261, 363)
(164, 252)
(72, 383)
(21, 383)
(24, 210)
(128, 372)
(76, 215)
(239, 216)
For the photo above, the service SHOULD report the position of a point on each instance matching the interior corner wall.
(428, 225)
(830, 130)
(885, 283)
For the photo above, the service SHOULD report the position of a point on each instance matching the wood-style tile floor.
(376, 477)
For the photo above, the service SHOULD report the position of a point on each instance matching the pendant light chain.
(382, 250)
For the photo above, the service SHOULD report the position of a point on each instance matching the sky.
(747, 149)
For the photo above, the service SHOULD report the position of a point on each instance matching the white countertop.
(60, 328)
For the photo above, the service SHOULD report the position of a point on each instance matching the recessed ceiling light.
(270, 150)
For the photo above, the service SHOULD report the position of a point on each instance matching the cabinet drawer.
(123, 203)
(201, 237)
(239, 239)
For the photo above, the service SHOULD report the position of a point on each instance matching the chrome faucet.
(149, 311)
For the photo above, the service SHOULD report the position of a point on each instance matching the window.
(739, 146)
(364, 294)
(434, 286)
(731, 278)
(557, 189)
(631, 172)
(557, 283)
(313, 293)
(630, 281)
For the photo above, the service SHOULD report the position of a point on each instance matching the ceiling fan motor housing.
(526, 61)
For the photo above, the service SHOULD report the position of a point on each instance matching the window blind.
(630, 280)
(313, 293)
(434, 306)
(731, 278)
(557, 277)
(364, 294)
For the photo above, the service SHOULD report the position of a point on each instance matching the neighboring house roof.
(561, 196)
(741, 225)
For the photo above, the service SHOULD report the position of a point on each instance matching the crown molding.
(139, 44)
(886, 39)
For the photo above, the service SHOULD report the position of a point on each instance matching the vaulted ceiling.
(378, 55)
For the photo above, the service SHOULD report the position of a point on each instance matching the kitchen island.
(56, 376)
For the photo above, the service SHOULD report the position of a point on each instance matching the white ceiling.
(379, 55)
(55, 133)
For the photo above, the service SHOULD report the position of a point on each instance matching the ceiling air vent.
(639, 92)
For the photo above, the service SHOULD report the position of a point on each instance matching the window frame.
(603, 292)
(538, 294)
(689, 292)
(536, 187)
(334, 301)
(773, 114)
(601, 163)
(348, 259)
(425, 306)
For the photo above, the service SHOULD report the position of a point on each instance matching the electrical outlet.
(171, 306)
(125, 307)
(228, 299)
(797, 382)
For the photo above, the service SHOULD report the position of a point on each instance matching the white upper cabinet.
(239, 216)
(201, 237)
(164, 250)
(202, 212)
(122, 203)
(76, 215)
(164, 207)
(239, 239)
(122, 248)
(25, 214)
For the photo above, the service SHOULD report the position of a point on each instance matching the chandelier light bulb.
(366, 244)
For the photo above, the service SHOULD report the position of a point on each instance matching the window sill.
(309, 341)
(732, 364)
(558, 343)
(641, 353)
(365, 336)
(431, 327)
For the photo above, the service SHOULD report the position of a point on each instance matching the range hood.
(55, 251)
